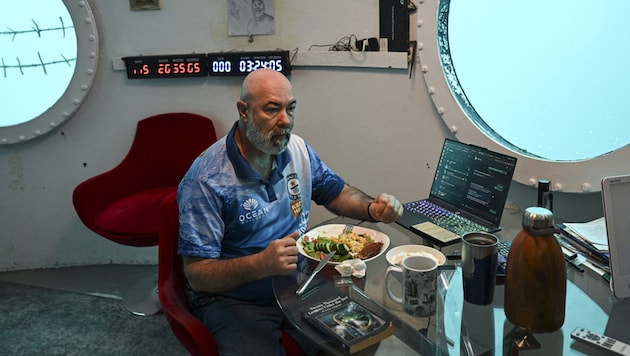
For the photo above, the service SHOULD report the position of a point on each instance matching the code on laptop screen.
(473, 179)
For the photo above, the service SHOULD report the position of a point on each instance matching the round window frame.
(80, 84)
(579, 176)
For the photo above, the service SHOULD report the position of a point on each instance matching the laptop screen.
(473, 180)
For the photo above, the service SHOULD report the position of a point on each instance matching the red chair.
(124, 203)
(190, 332)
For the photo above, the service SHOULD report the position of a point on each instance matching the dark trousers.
(242, 328)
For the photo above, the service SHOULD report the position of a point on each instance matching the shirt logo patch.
(250, 204)
(252, 213)
(296, 207)
(293, 186)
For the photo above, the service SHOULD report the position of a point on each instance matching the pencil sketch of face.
(261, 22)
(258, 7)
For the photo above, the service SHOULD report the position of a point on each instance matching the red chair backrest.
(165, 146)
(190, 332)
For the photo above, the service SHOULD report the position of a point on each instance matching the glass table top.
(457, 327)
(470, 329)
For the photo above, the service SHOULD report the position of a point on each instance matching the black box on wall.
(394, 25)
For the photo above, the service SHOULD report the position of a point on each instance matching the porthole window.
(543, 81)
(48, 61)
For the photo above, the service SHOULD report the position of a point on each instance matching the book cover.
(353, 326)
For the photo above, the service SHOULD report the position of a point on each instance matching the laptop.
(616, 204)
(468, 194)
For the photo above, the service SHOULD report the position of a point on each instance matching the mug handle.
(388, 272)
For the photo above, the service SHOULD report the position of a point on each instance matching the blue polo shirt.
(227, 210)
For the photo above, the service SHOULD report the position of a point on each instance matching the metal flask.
(536, 276)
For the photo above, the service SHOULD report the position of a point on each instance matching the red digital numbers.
(168, 66)
(193, 67)
(179, 68)
(164, 68)
(142, 70)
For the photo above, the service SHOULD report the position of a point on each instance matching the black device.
(206, 64)
(394, 24)
(545, 196)
(166, 66)
(241, 63)
(367, 44)
(468, 194)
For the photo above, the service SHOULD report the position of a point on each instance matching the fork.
(348, 228)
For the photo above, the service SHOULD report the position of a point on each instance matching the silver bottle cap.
(537, 218)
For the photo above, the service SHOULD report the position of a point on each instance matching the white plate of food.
(398, 253)
(365, 244)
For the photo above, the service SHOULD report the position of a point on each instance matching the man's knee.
(243, 329)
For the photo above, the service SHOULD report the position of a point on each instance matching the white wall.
(376, 127)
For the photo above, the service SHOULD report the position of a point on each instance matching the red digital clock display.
(168, 66)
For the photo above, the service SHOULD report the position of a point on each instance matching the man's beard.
(275, 142)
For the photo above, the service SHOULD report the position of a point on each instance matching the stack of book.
(586, 243)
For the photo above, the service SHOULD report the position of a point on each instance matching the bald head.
(264, 81)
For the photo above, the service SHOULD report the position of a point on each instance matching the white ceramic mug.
(419, 285)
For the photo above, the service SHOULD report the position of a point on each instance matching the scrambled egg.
(354, 241)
